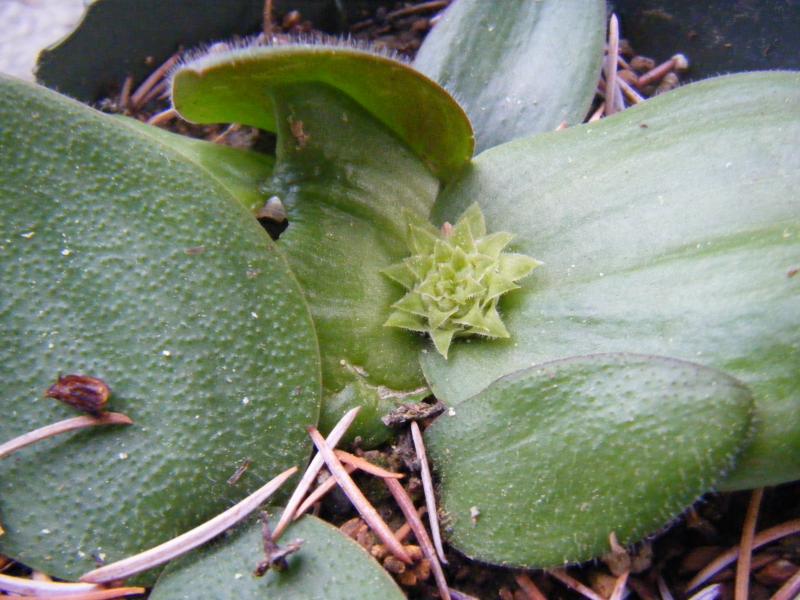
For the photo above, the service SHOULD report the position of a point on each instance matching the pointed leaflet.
(671, 228)
(519, 67)
(328, 565)
(573, 450)
(442, 339)
(124, 261)
(492, 245)
(401, 273)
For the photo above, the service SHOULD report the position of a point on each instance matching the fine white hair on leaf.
(243, 49)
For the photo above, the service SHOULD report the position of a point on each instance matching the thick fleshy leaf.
(540, 467)
(242, 172)
(328, 566)
(671, 228)
(518, 67)
(124, 261)
(347, 183)
(233, 87)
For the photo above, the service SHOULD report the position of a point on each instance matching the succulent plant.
(454, 278)
(661, 339)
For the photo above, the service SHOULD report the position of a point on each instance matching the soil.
(660, 567)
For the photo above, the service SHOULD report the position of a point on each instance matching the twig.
(125, 93)
(598, 113)
(138, 96)
(158, 90)
(266, 24)
(619, 587)
(311, 472)
(189, 540)
(228, 130)
(742, 586)
(162, 117)
(611, 65)
(274, 555)
(365, 465)
(677, 62)
(362, 505)
(574, 584)
(412, 518)
(30, 587)
(663, 589)
(726, 558)
(711, 592)
(239, 472)
(64, 426)
(417, 8)
(96, 595)
(427, 486)
(628, 90)
(531, 589)
(790, 589)
(404, 530)
(319, 492)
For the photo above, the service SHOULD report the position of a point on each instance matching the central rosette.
(455, 278)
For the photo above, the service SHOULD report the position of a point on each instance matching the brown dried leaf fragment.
(413, 411)
(274, 556)
(87, 394)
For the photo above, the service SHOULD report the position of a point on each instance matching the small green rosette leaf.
(454, 279)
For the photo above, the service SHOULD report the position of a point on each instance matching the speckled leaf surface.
(243, 172)
(518, 67)
(672, 228)
(123, 261)
(539, 468)
(345, 179)
(329, 566)
(233, 87)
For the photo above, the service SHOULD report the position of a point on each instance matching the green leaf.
(517, 266)
(492, 245)
(570, 451)
(406, 320)
(329, 566)
(518, 67)
(442, 339)
(122, 260)
(473, 220)
(347, 184)
(401, 273)
(235, 86)
(670, 228)
(242, 172)
(375, 401)
(421, 241)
